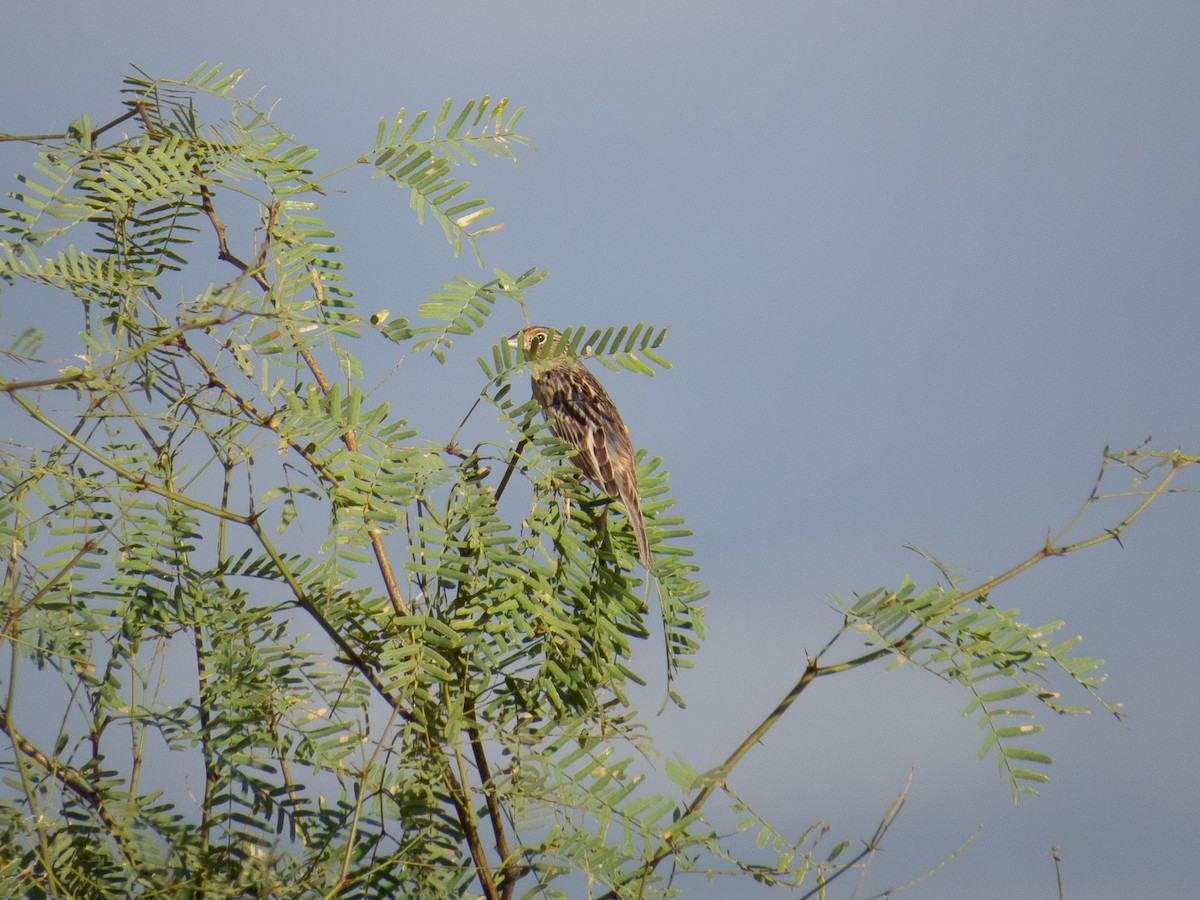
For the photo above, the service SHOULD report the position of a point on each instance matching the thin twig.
(512, 871)
(466, 821)
(96, 132)
(1054, 852)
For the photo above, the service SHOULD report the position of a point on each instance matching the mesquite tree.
(263, 637)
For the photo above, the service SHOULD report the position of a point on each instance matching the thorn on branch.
(1049, 549)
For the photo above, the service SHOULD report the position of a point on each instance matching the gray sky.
(921, 263)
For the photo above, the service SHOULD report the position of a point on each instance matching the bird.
(582, 415)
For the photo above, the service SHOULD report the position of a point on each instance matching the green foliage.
(266, 637)
(996, 658)
(146, 572)
(424, 166)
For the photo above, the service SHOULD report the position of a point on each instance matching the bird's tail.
(633, 506)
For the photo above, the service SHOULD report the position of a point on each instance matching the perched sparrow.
(582, 415)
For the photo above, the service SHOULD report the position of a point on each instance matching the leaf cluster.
(1003, 664)
(225, 560)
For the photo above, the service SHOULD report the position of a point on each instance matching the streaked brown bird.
(582, 415)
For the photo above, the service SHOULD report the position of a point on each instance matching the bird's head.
(534, 339)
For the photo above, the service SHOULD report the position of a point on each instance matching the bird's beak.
(515, 341)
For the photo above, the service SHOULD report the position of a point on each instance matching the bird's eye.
(536, 339)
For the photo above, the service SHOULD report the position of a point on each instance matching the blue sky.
(921, 263)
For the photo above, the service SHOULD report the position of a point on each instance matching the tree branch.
(512, 871)
(349, 438)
